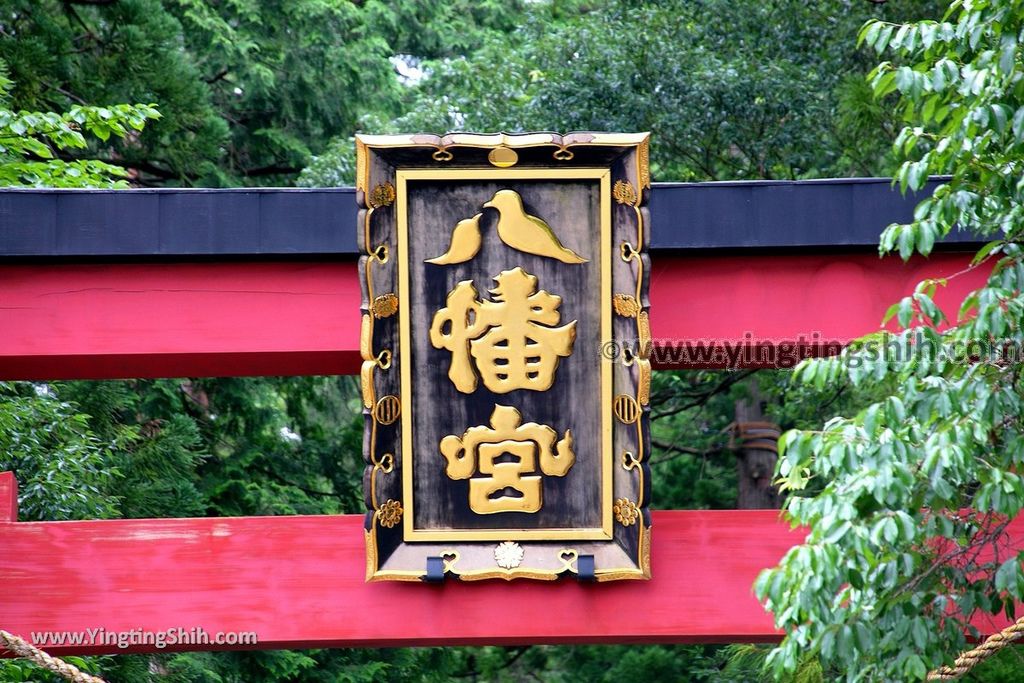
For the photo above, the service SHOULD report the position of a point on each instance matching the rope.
(971, 658)
(763, 436)
(20, 647)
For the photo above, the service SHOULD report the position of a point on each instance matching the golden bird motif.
(524, 232)
(466, 240)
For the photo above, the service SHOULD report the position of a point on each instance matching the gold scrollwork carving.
(385, 465)
(627, 252)
(643, 392)
(643, 170)
(366, 383)
(441, 154)
(450, 558)
(366, 338)
(563, 154)
(386, 462)
(568, 557)
(643, 324)
(629, 410)
(634, 461)
(362, 166)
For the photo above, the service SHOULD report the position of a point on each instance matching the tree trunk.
(756, 453)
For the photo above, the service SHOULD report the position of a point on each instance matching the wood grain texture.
(571, 209)
(298, 583)
(300, 318)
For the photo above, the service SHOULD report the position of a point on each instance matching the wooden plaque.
(505, 345)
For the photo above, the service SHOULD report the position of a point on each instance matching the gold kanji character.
(511, 338)
(506, 451)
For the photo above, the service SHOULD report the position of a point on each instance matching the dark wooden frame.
(621, 162)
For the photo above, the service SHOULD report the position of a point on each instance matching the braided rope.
(21, 647)
(971, 658)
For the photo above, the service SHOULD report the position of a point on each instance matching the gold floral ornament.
(509, 555)
(511, 339)
(623, 192)
(390, 513)
(382, 195)
(626, 511)
(505, 452)
(625, 305)
(384, 306)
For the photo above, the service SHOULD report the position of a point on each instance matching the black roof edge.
(152, 224)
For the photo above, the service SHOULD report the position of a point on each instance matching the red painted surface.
(294, 318)
(168, 320)
(8, 497)
(809, 300)
(298, 582)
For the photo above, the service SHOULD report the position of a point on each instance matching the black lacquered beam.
(815, 214)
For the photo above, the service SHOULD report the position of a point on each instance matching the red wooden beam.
(8, 497)
(297, 582)
(295, 318)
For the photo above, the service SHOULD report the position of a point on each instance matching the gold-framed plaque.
(505, 345)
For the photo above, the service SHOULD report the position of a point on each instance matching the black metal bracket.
(585, 568)
(435, 569)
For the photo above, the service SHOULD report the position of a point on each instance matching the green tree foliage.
(908, 499)
(30, 142)
(63, 469)
(249, 89)
(731, 88)
(66, 53)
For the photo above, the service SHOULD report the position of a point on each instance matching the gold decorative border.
(631, 306)
(603, 177)
(390, 512)
(443, 144)
(442, 152)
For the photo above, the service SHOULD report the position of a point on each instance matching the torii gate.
(164, 283)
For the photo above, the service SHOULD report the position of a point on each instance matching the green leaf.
(914, 668)
(1007, 576)
(1007, 57)
(906, 241)
(990, 249)
(1018, 124)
